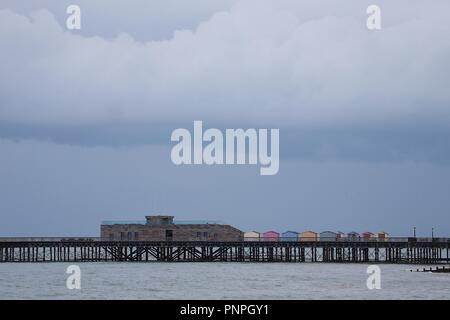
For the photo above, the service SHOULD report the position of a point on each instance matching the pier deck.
(399, 250)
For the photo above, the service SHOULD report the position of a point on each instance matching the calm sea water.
(218, 281)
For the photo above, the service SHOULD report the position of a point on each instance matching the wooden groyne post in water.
(443, 269)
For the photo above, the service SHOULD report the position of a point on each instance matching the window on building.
(215, 236)
(136, 236)
(130, 235)
(199, 235)
(205, 235)
(122, 236)
(111, 236)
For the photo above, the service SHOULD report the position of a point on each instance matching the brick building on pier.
(164, 228)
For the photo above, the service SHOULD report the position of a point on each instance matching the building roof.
(159, 216)
(111, 222)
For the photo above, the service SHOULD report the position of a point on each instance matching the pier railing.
(345, 239)
(46, 239)
(244, 239)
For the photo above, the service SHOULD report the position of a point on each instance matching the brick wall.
(188, 232)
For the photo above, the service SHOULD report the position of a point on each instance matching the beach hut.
(308, 236)
(271, 236)
(353, 236)
(340, 236)
(328, 236)
(382, 236)
(251, 236)
(367, 236)
(289, 236)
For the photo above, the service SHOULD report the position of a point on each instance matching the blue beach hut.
(289, 236)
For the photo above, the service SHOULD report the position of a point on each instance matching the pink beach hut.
(271, 236)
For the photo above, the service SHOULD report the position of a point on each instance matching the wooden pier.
(400, 250)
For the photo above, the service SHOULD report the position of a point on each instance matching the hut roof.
(271, 231)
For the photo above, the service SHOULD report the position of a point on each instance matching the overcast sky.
(364, 116)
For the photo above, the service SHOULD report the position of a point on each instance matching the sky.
(86, 115)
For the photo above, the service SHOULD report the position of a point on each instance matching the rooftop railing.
(198, 222)
(113, 222)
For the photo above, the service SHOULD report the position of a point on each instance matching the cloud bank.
(312, 69)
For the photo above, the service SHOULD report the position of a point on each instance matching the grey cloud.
(144, 20)
(310, 69)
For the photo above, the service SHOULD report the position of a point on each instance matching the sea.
(216, 280)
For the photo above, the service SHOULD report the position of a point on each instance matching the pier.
(395, 250)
